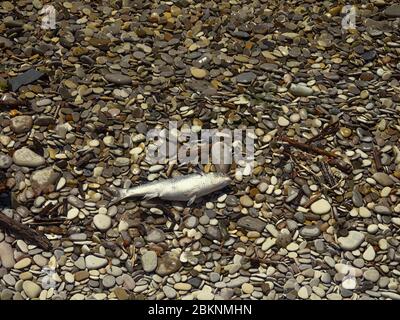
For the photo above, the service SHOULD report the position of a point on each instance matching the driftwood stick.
(23, 231)
(341, 165)
(328, 130)
(308, 147)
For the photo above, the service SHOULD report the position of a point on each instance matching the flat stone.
(118, 78)
(168, 264)
(121, 162)
(283, 122)
(247, 288)
(383, 210)
(250, 223)
(93, 262)
(31, 289)
(303, 293)
(21, 124)
(155, 235)
(182, 286)
(246, 77)
(6, 255)
(121, 293)
(393, 11)
(371, 275)
(102, 222)
(205, 295)
(81, 275)
(321, 207)
(198, 73)
(108, 281)
(149, 261)
(246, 201)
(310, 232)
(72, 213)
(300, 90)
(27, 158)
(391, 295)
(23, 263)
(352, 241)
(268, 244)
(383, 179)
(169, 292)
(369, 254)
(364, 212)
(43, 181)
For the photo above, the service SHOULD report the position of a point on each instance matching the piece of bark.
(25, 78)
(24, 232)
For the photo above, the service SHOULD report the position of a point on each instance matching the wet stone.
(246, 77)
(250, 223)
(119, 79)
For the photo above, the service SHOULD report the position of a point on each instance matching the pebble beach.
(317, 218)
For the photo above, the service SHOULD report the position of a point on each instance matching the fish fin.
(149, 196)
(198, 170)
(191, 200)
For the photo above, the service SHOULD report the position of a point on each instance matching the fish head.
(220, 179)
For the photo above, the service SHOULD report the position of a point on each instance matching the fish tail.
(122, 194)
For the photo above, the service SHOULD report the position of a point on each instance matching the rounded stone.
(369, 254)
(27, 158)
(303, 293)
(283, 122)
(371, 275)
(102, 222)
(383, 179)
(93, 262)
(246, 201)
(6, 255)
(300, 90)
(118, 78)
(352, 241)
(198, 73)
(205, 295)
(149, 261)
(247, 288)
(108, 281)
(167, 264)
(169, 292)
(310, 232)
(21, 124)
(321, 207)
(23, 263)
(31, 289)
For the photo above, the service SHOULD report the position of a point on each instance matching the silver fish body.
(182, 188)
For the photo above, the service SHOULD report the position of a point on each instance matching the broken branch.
(23, 231)
(308, 147)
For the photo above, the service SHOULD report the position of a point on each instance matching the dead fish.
(182, 188)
